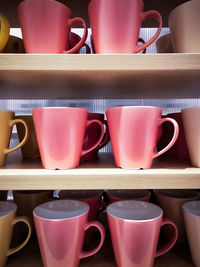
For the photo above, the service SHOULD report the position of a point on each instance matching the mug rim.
(188, 209)
(12, 207)
(97, 194)
(114, 193)
(164, 193)
(179, 7)
(160, 211)
(60, 108)
(61, 214)
(190, 109)
(134, 107)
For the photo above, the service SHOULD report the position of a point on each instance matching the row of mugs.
(169, 203)
(66, 135)
(61, 225)
(115, 26)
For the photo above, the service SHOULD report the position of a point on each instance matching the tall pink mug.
(135, 228)
(134, 133)
(46, 26)
(60, 227)
(60, 133)
(116, 24)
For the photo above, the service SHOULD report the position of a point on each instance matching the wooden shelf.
(30, 256)
(33, 76)
(29, 174)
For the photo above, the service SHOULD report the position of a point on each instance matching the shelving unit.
(99, 76)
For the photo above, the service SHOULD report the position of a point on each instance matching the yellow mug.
(4, 31)
(7, 221)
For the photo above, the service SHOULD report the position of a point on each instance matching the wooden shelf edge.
(99, 62)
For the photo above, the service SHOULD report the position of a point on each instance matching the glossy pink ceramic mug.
(60, 134)
(134, 228)
(115, 25)
(92, 134)
(60, 227)
(134, 134)
(46, 26)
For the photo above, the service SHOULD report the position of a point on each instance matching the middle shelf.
(21, 174)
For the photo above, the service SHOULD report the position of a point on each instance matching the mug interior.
(7, 207)
(192, 207)
(134, 210)
(61, 209)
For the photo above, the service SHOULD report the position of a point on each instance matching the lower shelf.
(30, 256)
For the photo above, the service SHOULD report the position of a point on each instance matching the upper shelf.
(81, 76)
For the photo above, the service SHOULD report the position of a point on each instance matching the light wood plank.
(19, 174)
(34, 76)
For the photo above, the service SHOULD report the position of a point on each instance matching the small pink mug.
(60, 134)
(46, 25)
(115, 25)
(135, 228)
(92, 134)
(134, 134)
(60, 227)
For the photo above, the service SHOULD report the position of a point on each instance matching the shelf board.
(178, 256)
(29, 174)
(83, 76)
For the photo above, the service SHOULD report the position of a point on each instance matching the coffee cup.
(135, 228)
(7, 221)
(4, 31)
(7, 121)
(92, 134)
(184, 23)
(134, 134)
(128, 194)
(30, 149)
(164, 44)
(60, 227)
(171, 202)
(115, 25)
(46, 26)
(60, 134)
(191, 213)
(190, 117)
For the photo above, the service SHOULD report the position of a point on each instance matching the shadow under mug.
(92, 134)
(171, 201)
(134, 133)
(129, 194)
(7, 121)
(115, 25)
(46, 26)
(60, 227)
(7, 221)
(60, 133)
(135, 228)
(30, 148)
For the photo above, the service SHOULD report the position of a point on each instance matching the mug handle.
(173, 140)
(12, 122)
(77, 38)
(83, 39)
(106, 137)
(145, 15)
(101, 229)
(27, 222)
(171, 242)
(100, 137)
(4, 31)
(140, 40)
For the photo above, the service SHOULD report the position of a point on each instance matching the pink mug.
(92, 134)
(134, 134)
(60, 227)
(115, 25)
(46, 26)
(60, 134)
(135, 228)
